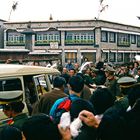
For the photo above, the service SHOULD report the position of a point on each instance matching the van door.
(11, 85)
(42, 84)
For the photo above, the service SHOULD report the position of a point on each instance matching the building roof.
(2, 20)
(59, 21)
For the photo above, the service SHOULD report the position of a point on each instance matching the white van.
(32, 81)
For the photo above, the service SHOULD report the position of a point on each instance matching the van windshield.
(10, 84)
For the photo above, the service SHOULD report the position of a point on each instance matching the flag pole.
(10, 14)
(101, 8)
(14, 6)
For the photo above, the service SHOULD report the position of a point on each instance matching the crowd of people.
(102, 103)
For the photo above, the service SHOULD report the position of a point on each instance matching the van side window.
(10, 84)
(41, 84)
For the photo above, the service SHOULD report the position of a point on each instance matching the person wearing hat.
(13, 106)
(94, 73)
(14, 110)
(118, 122)
(125, 84)
(87, 77)
(111, 81)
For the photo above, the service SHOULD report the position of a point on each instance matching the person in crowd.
(100, 78)
(131, 68)
(59, 66)
(14, 110)
(138, 75)
(125, 84)
(111, 81)
(120, 124)
(8, 61)
(76, 85)
(87, 77)
(86, 132)
(65, 75)
(41, 127)
(10, 133)
(85, 59)
(86, 92)
(30, 96)
(47, 100)
(132, 121)
(89, 119)
(133, 94)
(69, 65)
(124, 71)
(36, 63)
(72, 72)
(117, 122)
(113, 123)
(136, 65)
(76, 67)
(94, 73)
(102, 99)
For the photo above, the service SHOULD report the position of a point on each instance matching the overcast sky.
(121, 11)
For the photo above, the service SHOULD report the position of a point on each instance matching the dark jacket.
(86, 93)
(47, 100)
(19, 120)
(113, 86)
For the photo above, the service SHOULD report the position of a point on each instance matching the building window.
(15, 39)
(138, 41)
(112, 37)
(46, 38)
(105, 56)
(104, 36)
(133, 39)
(123, 40)
(112, 57)
(40, 37)
(119, 57)
(80, 38)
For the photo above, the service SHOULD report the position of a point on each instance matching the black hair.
(40, 126)
(78, 105)
(102, 99)
(72, 69)
(59, 81)
(10, 133)
(76, 83)
(99, 65)
(15, 106)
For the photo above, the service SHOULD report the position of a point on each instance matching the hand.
(89, 119)
(65, 133)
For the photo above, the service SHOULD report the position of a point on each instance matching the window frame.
(112, 35)
(104, 36)
(123, 40)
